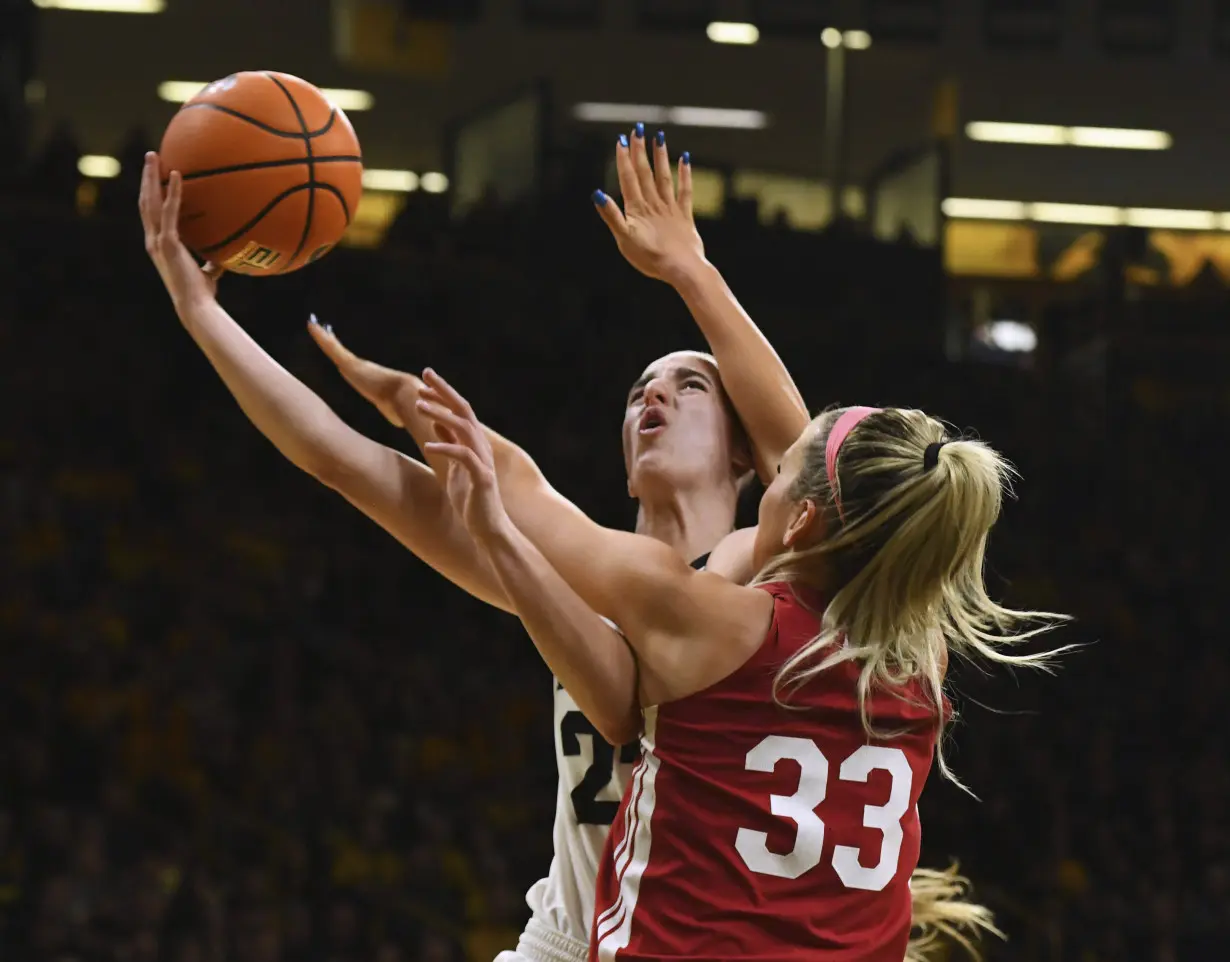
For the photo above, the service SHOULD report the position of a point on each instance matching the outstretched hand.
(471, 483)
(655, 230)
(375, 382)
(185, 280)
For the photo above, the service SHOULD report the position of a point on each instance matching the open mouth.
(653, 421)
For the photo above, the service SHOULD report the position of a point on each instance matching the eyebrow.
(680, 374)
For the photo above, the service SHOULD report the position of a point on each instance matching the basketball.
(272, 172)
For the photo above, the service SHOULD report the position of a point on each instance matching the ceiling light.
(1091, 214)
(98, 165)
(104, 6)
(973, 209)
(683, 116)
(1120, 139)
(1054, 135)
(181, 91)
(619, 113)
(1170, 219)
(831, 38)
(1015, 337)
(1016, 133)
(1094, 215)
(434, 182)
(856, 39)
(721, 31)
(400, 181)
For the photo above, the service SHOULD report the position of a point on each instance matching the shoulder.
(732, 558)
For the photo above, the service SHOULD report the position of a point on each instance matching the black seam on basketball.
(311, 165)
(266, 164)
(257, 219)
(338, 194)
(238, 115)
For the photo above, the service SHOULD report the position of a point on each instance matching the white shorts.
(542, 943)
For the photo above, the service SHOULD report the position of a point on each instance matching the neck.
(690, 521)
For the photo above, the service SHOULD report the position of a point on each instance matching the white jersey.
(592, 777)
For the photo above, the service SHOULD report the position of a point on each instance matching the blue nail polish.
(328, 328)
(660, 139)
(687, 159)
(623, 140)
(599, 198)
(312, 320)
(640, 130)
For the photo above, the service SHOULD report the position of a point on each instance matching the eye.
(636, 395)
(696, 383)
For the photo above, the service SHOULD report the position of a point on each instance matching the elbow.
(620, 731)
(328, 470)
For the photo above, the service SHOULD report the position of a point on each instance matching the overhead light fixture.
(1015, 133)
(682, 116)
(104, 6)
(98, 165)
(1158, 219)
(434, 182)
(831, 38)
(396, 181)
(1091, 215)
(1116, 138)
(968, 208)
(1054, 135)
(1014, 337)
(181, 91)
(856, 39)
(723, 31)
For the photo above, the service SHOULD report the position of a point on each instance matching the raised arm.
(401, 495)
(661, 604)
(657, 234)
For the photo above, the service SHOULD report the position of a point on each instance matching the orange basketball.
(272, 172)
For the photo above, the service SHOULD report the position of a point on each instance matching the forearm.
(401, 495)
(759, 386)
(590, 659)
(300, 425)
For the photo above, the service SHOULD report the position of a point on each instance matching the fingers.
(461, 455)
(150, 201)
(640, 161)
(610, 213)
(328, 342)
(662, 169)
(629, 183)
(463, 429)
(170, 208)
(448, 395)
(685, 184)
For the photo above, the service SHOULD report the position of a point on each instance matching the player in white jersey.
(687, 493)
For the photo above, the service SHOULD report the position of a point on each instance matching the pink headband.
(837, 436)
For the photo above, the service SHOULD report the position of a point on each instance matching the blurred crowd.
(238, 723)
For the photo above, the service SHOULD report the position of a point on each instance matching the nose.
(658, 391)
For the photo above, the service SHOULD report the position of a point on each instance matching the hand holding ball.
(272, 172)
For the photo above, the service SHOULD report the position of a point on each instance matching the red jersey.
(752, 831)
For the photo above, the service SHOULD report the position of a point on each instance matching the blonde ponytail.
(904, 548)
(942, 913)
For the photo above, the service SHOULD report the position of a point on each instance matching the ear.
(802, 524)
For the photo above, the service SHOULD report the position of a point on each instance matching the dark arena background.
(239, 723)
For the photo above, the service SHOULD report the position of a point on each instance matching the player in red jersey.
(789, 727)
